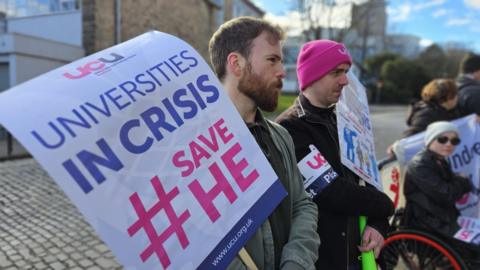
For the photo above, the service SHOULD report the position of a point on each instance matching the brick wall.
(190, 20)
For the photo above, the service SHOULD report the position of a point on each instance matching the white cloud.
(458, 22)
(427, 4)
(425, 42)
(439, 13)
(399, 14)
(291, 22)
(472, 3)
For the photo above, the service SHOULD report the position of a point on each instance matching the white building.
(34, 44)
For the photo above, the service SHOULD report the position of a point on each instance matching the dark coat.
(340, 203)
(468, 95)
(421, 114)
(431, 190)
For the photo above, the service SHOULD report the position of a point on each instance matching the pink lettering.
(319, 161)
(206, 198)
(236, 168)
(179, 161)
(222, 131)
(145, 222)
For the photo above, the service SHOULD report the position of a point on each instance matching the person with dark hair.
(246, 55)
(439, 101)
(468, 83)
(322, 66)
(432, 188)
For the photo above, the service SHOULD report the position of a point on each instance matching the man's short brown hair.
(439, 91)
(470, 63)
(237, 35)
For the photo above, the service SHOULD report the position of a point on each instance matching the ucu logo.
(319, 161)
(342, 50)
(93, 66)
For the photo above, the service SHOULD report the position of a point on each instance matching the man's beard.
(263, 93)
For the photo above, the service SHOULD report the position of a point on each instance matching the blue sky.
(432, 20)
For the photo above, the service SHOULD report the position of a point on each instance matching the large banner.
(355, 132)
(143, 139)
(465, 159)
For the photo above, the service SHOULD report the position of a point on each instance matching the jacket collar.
(305, 109)
(465, 80)
(259, 121)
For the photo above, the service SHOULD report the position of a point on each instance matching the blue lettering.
(115, 98)
(91, 162)
(65, 122)
(196, 95)
(48, 145)
(155, 126)
(152, 85)
(131, 90)
(207, 88)
(178, 64)
(186, 57)
(173, 112)
(124, 139)
(185, 103)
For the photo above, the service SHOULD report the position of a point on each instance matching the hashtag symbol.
(145, 221)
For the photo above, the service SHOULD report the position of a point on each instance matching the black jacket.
(431, 190)
(421, 114)
(340, 203)
(468, 95)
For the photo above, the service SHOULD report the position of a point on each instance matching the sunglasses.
(445, 139)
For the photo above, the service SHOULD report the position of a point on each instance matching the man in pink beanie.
(322, 66)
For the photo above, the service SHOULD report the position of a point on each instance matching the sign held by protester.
(465, 159)
(145, 142)
(355, 132)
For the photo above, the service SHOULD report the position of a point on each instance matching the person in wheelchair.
(432, 188)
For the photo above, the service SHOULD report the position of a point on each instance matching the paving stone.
(58, 266)
(85, 263)
(40, 228)
(4, 262)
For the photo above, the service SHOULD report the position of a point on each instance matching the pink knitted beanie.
(319, 57)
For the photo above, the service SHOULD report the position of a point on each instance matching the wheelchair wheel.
(417, 250)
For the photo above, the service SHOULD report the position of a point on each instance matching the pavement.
(41, 229)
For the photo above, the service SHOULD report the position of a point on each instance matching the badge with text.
(317, 172)
(471, 236)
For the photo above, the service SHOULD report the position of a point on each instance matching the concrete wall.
(28, 57)
(61, 27)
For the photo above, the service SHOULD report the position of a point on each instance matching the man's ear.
(236, 63)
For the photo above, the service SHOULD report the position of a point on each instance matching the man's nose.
(281, 73)
(343, 79)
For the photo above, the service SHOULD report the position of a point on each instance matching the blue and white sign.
(143, 139)
(465, 159)
(355, 133)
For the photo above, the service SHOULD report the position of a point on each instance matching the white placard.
(464, 160)
(145, 142)
(355, 132)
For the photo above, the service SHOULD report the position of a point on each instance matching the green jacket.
(301, 249)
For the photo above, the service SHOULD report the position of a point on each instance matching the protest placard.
(355, 133)
(145, 142)
(464, 160)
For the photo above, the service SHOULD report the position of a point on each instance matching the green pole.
(368, 258)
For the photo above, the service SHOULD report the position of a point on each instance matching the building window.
(21, 8)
